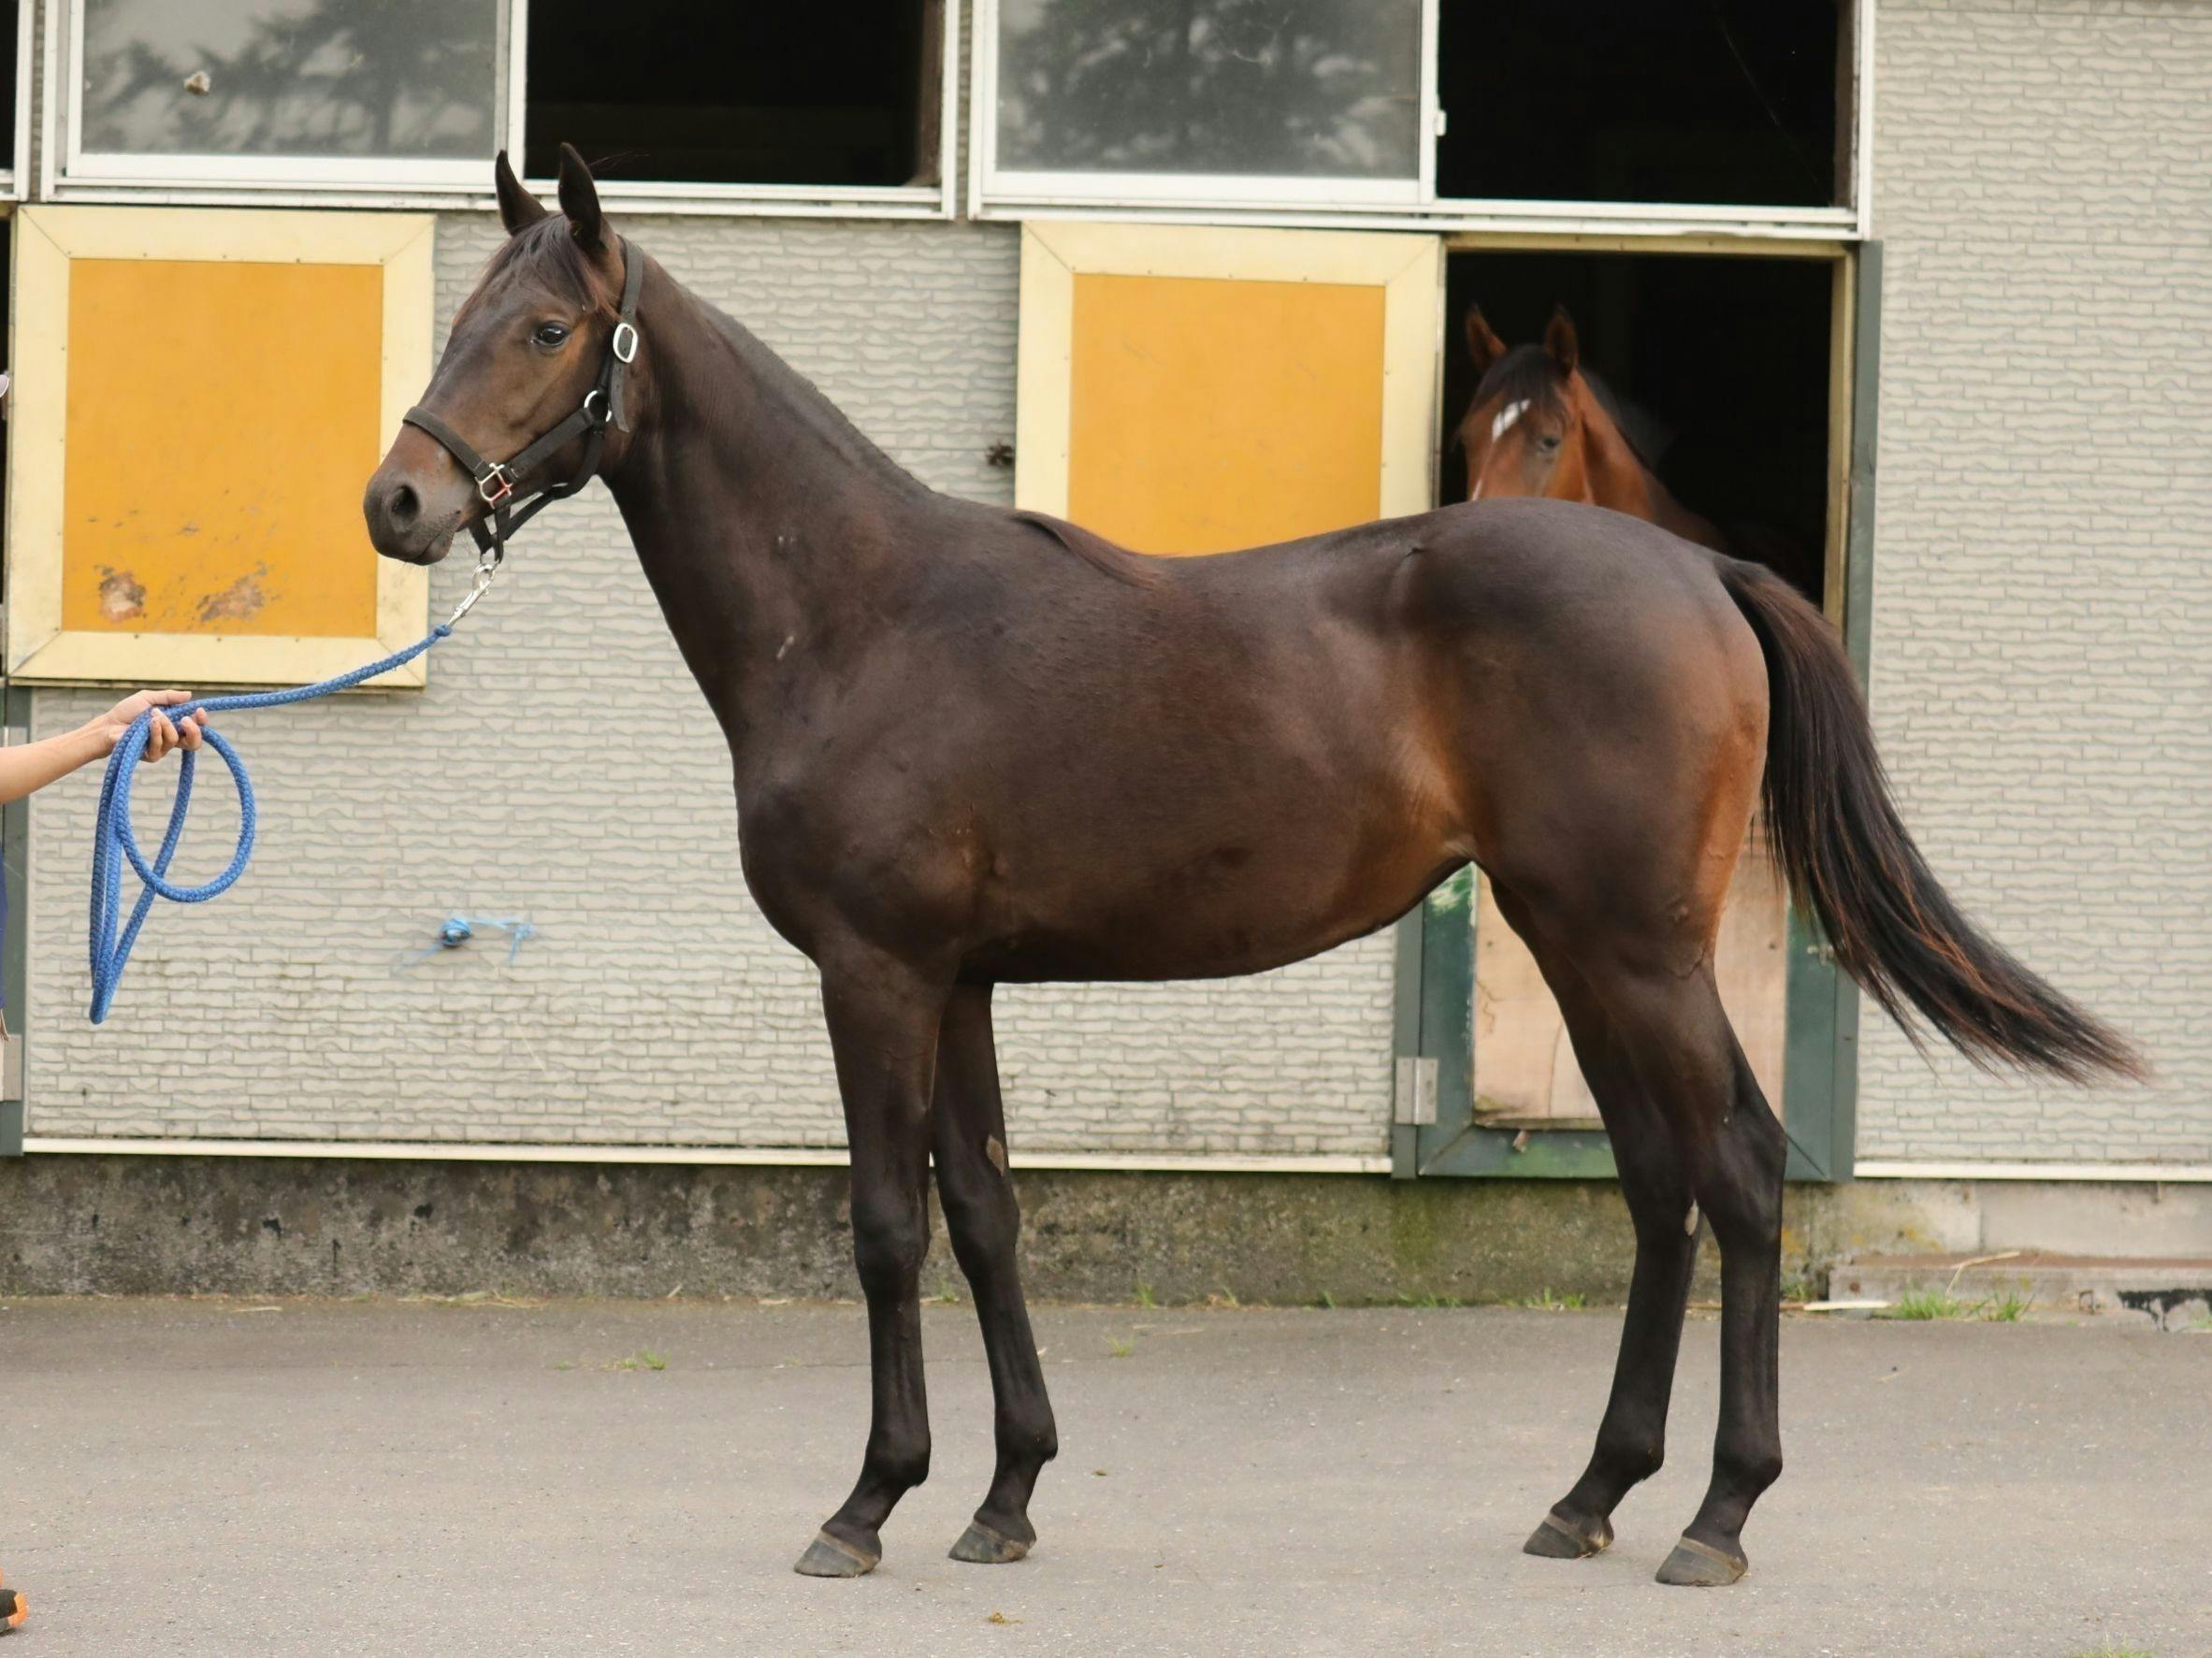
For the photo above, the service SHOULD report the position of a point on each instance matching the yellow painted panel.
(221, 420)
(1206, 414)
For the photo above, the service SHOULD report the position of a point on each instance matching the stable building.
(1905, 293)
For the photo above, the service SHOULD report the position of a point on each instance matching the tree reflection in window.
(1302, 88)
(413, 78)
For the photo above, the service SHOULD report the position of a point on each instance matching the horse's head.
(1523, 434)
(527, 349)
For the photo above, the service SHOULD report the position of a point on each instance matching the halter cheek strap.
(604, 405)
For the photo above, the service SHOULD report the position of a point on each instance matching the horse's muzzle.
(403, 523)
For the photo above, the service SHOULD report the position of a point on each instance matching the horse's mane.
(1101, 555)
(1528, 373)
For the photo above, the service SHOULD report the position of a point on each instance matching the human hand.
(163, 734)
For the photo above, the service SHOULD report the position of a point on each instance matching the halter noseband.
(602, 406)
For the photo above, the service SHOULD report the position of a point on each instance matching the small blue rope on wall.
(115, 843)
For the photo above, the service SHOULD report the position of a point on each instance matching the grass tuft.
(1545, 1302)
(1926, 1304)
(1920, 1306)
(644, 1359)
(2006, 1308)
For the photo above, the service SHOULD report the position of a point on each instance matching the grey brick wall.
(2043, 632)
(562, 766)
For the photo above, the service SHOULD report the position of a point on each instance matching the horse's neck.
(1619, 479)
(764, 520)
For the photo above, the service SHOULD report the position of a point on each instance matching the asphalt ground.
(238, 1477)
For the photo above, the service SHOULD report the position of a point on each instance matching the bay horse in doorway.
(1542, 423)
(1539, 424)
(974, 746)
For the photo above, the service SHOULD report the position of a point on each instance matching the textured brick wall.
(2043, 640)
(563, 766)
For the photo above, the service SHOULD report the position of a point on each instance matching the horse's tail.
(1837, 837)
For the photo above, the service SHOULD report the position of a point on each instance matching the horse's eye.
(550, 333)
(1549, 444)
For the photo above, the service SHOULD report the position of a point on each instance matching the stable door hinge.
(1416, 1093)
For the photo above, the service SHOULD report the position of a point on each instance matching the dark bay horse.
(975, 746)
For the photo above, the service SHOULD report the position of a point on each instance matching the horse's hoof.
(834, 1557)
(979, 1545)
(1699, 1565)
(13, 1608)
(1561, 1539)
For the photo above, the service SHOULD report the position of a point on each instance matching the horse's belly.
(1210, 923)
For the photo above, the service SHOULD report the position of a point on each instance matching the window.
(1676, 101)
(677, 105)
(1648, 114)
(1210, 98)
(758, 95)
(15, 95)
(278, 92)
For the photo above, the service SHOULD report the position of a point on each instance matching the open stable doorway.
(1721, 366)
(1733, 370)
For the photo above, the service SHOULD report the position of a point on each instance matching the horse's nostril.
(403, 506)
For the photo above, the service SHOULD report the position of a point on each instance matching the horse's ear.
(1559, 341)
(1483, 347)
(579, 200)
(518, 208)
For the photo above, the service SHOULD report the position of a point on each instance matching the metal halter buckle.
(625, 343)
(500, 475)
(601, 418)
(487, 566)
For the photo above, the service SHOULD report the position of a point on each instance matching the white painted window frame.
(1409, 204)
(67, 173)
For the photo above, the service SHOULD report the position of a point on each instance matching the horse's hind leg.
(1676, 1033)
(1631, 1438)
(973, 1184)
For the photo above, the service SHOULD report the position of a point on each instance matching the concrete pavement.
(242, 1477)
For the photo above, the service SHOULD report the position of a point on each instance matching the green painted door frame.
(1434, 1130)
(15, 865)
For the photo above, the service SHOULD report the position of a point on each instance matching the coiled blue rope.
(115, 843)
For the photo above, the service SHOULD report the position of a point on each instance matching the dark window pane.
(674, 91)
(7, 69)
(1731, 102)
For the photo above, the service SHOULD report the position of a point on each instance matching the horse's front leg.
(883, 1016)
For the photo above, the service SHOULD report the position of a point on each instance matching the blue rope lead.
(114, 841)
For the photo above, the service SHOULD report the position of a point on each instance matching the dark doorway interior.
(1711, 101)
(1729, 358)
(674, 91)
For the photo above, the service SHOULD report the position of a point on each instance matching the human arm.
(31, 766)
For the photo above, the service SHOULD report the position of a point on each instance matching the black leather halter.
(497, 481)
